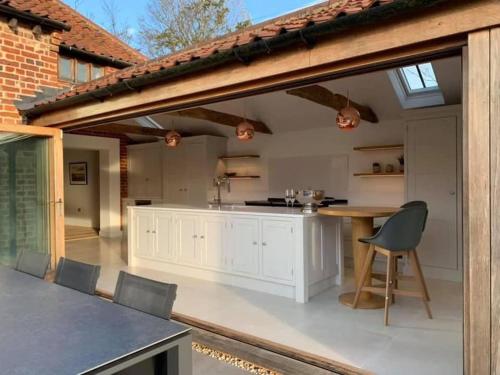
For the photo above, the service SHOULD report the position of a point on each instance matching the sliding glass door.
(24, 195)
(31, 192)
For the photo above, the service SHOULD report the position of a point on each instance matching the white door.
(187, 238)
(196, 174)
(164, 236)
(175, 175)
(212, 241)
(143, 233)
(278, 251)
(432, 177)
(245, 245)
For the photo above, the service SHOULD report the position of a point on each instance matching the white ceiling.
(282, 112)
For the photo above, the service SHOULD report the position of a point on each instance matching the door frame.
(56, 183)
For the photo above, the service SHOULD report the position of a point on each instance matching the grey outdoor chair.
(77, 275)
(33, 263)
(149, 296)
(399, 236)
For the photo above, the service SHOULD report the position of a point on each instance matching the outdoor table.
(47, 329)
(362, 226)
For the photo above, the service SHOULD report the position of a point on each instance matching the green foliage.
(172, 25)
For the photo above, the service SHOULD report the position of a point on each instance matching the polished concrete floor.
(412, 344)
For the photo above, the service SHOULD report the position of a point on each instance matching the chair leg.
(364, 275)
(417, 262)
(395, 278)
(420, 282)
(388, 287)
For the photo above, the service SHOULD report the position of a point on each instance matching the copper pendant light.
(172, 138)
(348, 118)
(245, 131)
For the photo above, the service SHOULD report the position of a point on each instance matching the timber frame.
(467, 28)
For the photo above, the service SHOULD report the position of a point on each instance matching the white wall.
(82, 201)
(109, 178)
(323, 159)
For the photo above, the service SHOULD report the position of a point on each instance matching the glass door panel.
(24, 195)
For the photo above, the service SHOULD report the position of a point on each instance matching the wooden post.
(477, 218)
(495, 197)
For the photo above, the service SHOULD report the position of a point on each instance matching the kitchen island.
(280, 251)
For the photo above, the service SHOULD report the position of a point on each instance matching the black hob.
(280, 202)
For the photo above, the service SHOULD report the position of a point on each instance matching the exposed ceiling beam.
(220, 118)
(127, 129)
(320, 95)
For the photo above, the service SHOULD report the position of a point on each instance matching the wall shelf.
(382, 174)
(234, 157)
(379, 148)
(243, 177)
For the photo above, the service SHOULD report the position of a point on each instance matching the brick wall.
(26, 64)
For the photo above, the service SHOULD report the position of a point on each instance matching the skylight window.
(416, 86)
(419, 78)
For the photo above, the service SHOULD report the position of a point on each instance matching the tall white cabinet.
(433, 174)
(181, 175)
(188, 169)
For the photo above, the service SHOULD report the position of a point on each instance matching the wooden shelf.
(379, 148)
(243, 177)
(232, 157)
(382, 174)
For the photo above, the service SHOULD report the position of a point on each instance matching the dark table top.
(49, 329)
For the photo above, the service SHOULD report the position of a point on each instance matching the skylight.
(416, 86)
(418, 78)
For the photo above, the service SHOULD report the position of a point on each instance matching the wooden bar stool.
(399, 236)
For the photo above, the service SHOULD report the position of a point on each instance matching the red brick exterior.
(26, 64)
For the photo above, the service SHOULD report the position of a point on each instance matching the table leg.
(361, 227)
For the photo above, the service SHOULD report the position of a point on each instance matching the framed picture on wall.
(78, 173)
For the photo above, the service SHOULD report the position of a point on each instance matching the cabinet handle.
(195, 236)
(153, 231)
(147, 231)
(264, 243)
(202, 237)
(255, 243)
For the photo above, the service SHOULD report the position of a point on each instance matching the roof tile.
(84, 34)
(316, 14)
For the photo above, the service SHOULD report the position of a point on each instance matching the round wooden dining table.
(362, 226)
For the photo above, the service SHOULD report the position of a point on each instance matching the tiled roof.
(84, 34)
(315, 15)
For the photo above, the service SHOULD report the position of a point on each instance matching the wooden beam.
(477, 209)
(495, 198)
(322, 96)
(126, 129)
(220, 118)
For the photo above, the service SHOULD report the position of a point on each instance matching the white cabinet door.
(144, 221)
(187, 238)
(245, 245)
(213, 241)
(164, 232)
(278, 253)
(432, 177)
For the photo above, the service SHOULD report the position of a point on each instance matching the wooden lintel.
(125, 129)
(220, 118)
(322, 96)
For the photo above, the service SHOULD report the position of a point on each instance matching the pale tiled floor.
(412, 344)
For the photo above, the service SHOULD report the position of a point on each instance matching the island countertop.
(232, 209)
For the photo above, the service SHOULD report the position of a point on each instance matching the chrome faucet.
(219, 181)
